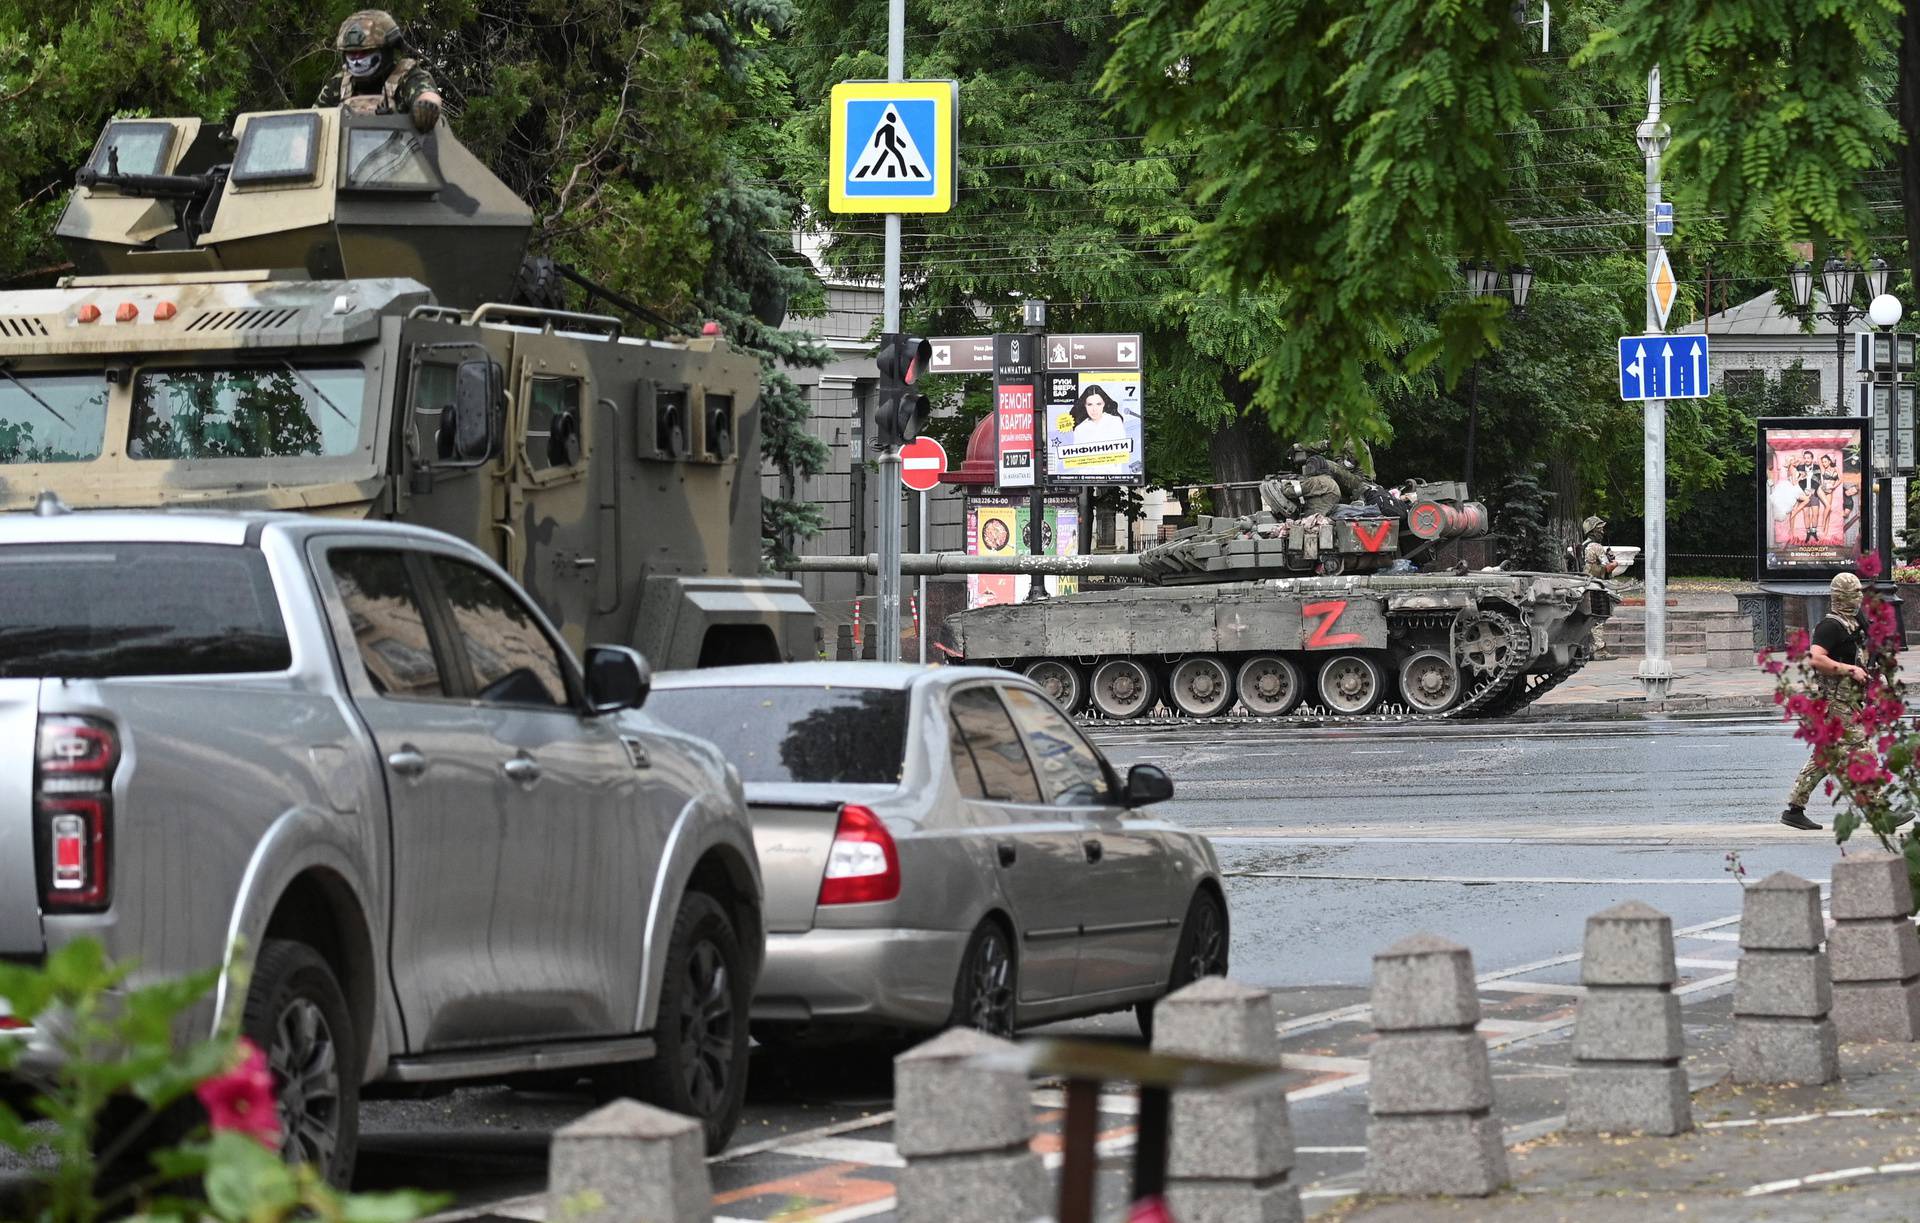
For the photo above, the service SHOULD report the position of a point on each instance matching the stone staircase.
(1725, 636)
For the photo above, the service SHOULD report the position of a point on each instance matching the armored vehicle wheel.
(1351, 683)
(1484, 644)
(1200, 687)
(1122, 688)
(1268, 685)
(1430, 682)
(1062, 682)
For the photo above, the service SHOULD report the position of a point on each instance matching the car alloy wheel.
(707, 1021)
(987, 982)
(305, 1061)
(297, 1014)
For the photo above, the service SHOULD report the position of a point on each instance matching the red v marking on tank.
(1323, 637)
(1371, 539)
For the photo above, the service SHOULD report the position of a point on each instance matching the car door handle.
(523, 769)
(408, 762)
(1007, 852)
(1095, 851)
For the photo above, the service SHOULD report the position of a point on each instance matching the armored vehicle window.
(278, 149)
(1004, 769)
(133, 148)
(390, 158)
(273, 411)
(791, 733)
(52, 418)
(99, 610)
(1069, 768)
(553, 423)
(389, 627)
(512, 661)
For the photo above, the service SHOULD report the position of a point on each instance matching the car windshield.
(52, 418)
(826, 734)
(100, 610)
(267, 411)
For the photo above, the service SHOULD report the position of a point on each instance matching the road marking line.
(849, 1150)
(1379, 751)
(1328, 1193)
(1822, 1178)
(1796, 1119)
(1316, 1061)
(1118, 1105)
(801, 1136)
(1718, 936)
(1535, 987)
(1687, 962)
(1472, 880)
(1329, 1150)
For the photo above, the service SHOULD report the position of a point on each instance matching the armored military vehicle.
(316, 312)
(1310, 607)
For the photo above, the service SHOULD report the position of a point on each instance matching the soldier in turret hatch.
(376, 75)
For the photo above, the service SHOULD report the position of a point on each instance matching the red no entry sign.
(922, 462)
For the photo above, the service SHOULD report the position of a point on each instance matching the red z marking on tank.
(1371, 539)
(1323, 637)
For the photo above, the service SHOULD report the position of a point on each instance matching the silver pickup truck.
(358, 751)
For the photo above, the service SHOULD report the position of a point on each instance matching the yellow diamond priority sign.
(1663, 286)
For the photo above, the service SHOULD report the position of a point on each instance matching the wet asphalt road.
(1336, 842)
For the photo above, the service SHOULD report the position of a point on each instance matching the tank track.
(1505, 693)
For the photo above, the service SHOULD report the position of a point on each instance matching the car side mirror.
(1146, 784)
(617, 678)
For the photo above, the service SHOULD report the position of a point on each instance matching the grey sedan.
(941, 846)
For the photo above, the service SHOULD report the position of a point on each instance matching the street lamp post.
(1837, 277)
(1483, 280)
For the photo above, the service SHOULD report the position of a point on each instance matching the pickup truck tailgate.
(19, 890)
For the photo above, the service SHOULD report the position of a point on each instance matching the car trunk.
(793, 826)
(19, 888)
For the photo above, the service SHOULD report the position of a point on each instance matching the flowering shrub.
(1906, 573)
(117, 1047)
(1870, 753)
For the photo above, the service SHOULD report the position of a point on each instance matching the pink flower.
(1798, 645)
(1150, 1210)
(1883, 624)
(1869, 565)
(241, 1099)
(1863, 769)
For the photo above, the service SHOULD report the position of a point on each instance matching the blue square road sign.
(1664, 367)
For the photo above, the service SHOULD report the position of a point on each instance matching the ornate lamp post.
(1837, 277)
(1483, 280)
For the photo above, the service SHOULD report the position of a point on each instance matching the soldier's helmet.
(1593, 524)
(366, 38)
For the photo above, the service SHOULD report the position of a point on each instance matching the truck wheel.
(1201, 952)
(1061, 681)
(298, 1016)
(699, 1068)
(1122, 688)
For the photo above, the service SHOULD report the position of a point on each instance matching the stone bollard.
(1873, 950)
(1431, 1099)
(1781, 1033)
(1232, 1148)
(1627, 1076)
(626, 1163)
(963, 1131)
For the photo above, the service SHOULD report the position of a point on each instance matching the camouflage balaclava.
(1844, 595)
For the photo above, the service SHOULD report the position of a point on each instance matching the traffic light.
(901, 409)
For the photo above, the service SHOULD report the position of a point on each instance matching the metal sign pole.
(920, 592)
(889, 626)
(1656, 672)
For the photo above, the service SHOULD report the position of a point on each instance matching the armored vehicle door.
(551, 439)
(454, 445)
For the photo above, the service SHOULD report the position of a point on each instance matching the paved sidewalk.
(1612, 689)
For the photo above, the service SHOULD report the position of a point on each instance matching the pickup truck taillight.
(73, 811)
(862, 865)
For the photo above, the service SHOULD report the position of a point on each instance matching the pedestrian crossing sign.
(893, 146)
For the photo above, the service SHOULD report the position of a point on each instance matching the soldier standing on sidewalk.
(1840, 680)
(1599, 562)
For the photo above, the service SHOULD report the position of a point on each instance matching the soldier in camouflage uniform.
(1599, 563)
(1834, 654)
(377, 76)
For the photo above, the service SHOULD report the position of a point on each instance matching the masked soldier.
(376, 76)
(1835, 656)
(1599, 563)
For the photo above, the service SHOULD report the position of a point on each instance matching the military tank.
(326, 311)
(1313, 606)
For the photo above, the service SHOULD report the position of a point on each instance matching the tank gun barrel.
(933, 564)
(152, 186)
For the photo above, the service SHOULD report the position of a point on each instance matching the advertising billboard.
(1093, 427)
(997, 526)
(1814, 479)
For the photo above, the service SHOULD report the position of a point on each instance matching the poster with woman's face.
(1812, 496)
(1093, 429)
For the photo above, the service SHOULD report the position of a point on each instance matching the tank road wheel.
(1484, 645)
(1268, 685)
(1200, 687)
(1351, 683)
(1122, 688)
(1062, 682)
(1430, 682)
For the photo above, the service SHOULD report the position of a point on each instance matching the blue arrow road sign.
(1663, 367)
(1663, 220)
